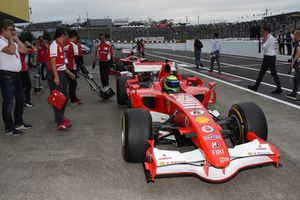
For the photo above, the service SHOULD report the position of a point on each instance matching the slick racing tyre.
(122, 97)
(247, 117)
(120, 66)
(136, 131)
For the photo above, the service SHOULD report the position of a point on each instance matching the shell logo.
(202, 120)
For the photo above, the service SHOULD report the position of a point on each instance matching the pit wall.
(247, 48)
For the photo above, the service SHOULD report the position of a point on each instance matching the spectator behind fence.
(296, 66)
(11, 81)
(215, 53)
(269, 61)
(197, 52)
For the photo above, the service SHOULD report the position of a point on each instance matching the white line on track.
(228, 83)
(226, 64)
(241, 77)
(248, 58)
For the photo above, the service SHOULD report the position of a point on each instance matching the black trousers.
(296, 81)
(12, 89)
(217, 59)
(26, 85)
(289, 48)
(281, 49)
(104, 73)
(79, 61)
(72, 86)
(42, 68)
(63, 88)
(268, 62)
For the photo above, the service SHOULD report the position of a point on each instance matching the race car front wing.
(167, 163)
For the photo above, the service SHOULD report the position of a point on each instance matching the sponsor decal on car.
(224, 159)
(202, 120)
(171, 162)
(211, 137)
(207, 129)
(218, 152)
(258, 153)
(197, 112)
(187, 101)
(215, 144)
(165, 157)
(186, 122)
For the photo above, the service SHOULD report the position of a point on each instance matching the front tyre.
(136, 131)
(247, 116)
(122, 97)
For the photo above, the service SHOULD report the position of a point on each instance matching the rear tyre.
(122, 97)
(136, 131)
(247, 117)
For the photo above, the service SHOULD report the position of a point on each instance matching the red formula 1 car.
(129, 57)
(175, 133)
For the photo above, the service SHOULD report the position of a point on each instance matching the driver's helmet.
(171, 84)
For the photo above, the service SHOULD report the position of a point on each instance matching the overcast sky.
(207, 10)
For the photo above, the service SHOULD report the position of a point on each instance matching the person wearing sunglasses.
(11, 80)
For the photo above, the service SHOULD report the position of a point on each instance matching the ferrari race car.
(176, 134)
(125, 63)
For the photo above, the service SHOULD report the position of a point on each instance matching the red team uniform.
(104, 52)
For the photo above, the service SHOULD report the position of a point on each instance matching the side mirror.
(135, 87)
(211, 84)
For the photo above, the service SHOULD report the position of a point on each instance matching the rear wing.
(152, 66)
(128, 51)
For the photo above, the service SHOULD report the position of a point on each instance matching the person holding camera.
(296, 66)
(11, 80)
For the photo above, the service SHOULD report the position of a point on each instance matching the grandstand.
(285, 23)
(44, 26)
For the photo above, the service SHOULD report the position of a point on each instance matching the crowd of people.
(58, 62)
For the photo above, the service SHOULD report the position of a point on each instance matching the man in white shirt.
(215, 53)
(268, 61)
(11, 81)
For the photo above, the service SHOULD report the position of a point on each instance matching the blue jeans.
(12, 88)
(198, 58)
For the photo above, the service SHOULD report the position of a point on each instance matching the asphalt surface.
(86, 161)
(240, 71)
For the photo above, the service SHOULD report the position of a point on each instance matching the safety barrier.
(247, 48)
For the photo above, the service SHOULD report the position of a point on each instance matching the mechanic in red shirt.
(42, 47)
(25, 74)
(103, 53)
(57, 74)
(79, 58)
(71, 53)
